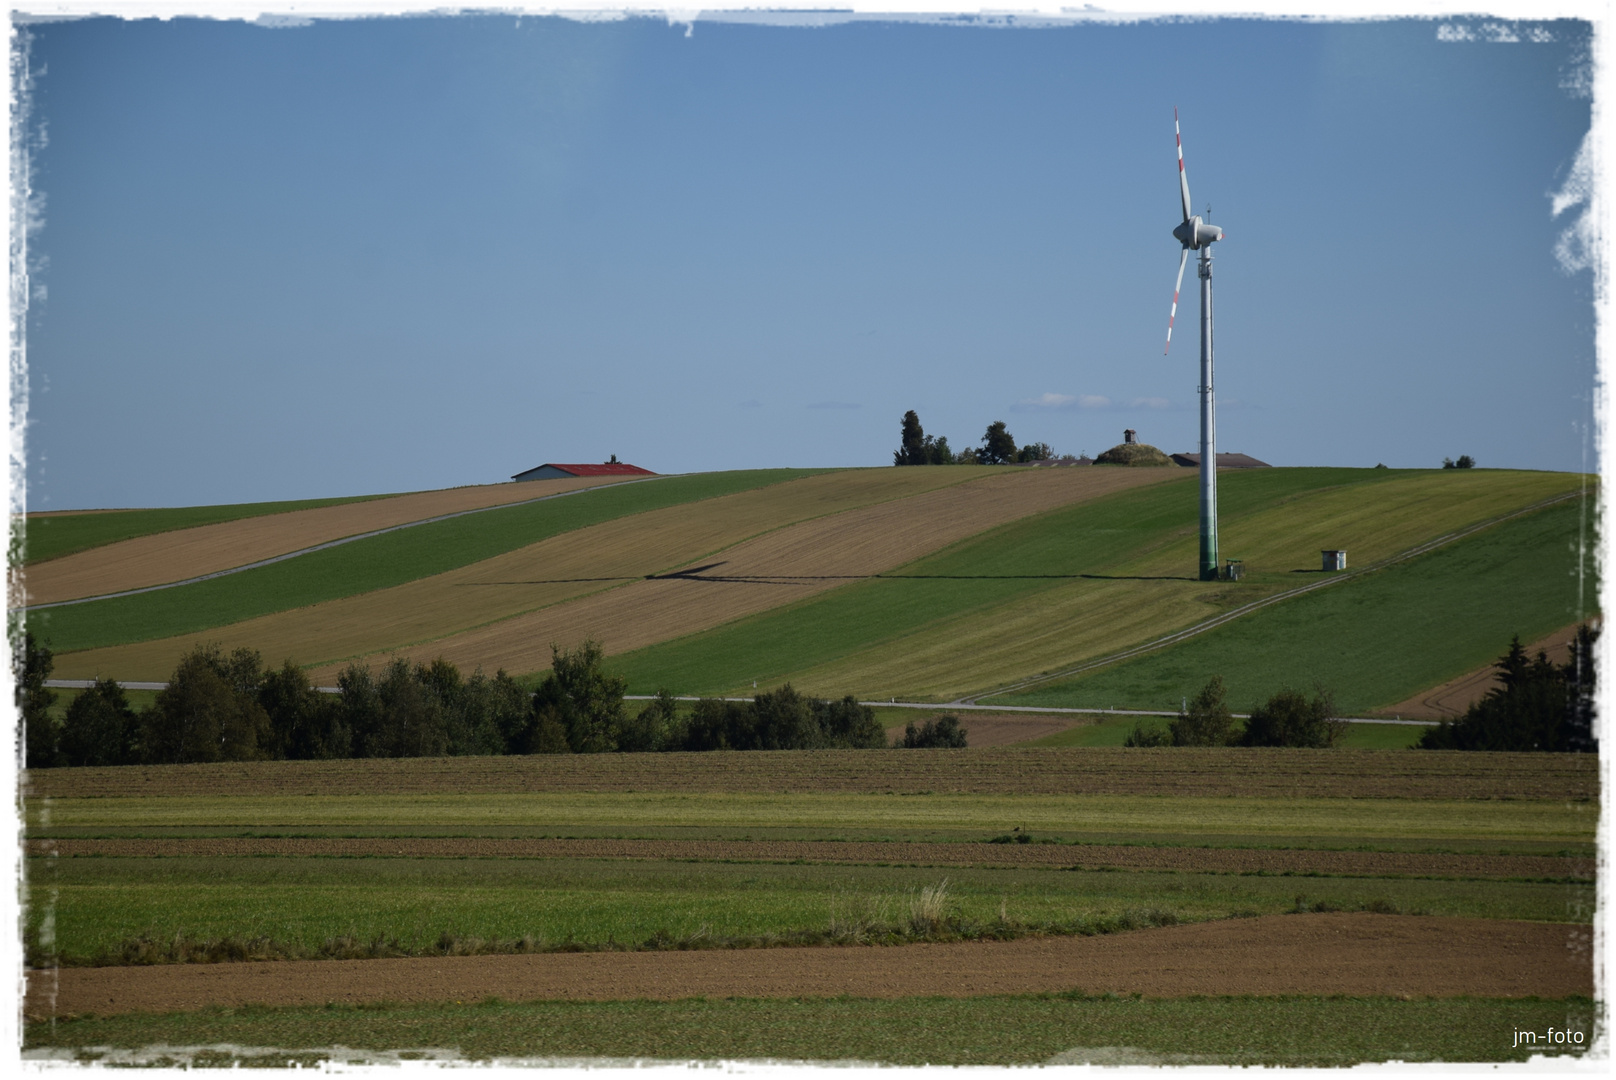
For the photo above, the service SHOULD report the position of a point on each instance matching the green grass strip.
(299, 903)
(1012, 561)
(1365, 820)
(1372, 641)
(53, 537)
(1020, 1030)
(379, 562)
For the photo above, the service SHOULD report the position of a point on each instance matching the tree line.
(1288, 718)
(222, 706)
(998, 447)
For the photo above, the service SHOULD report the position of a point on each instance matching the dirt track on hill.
(1450, 700)
(1046, 856)
(1356, 954)
(186, 553)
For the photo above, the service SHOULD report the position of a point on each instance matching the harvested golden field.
(1184, 772)
(186, 553)
(1362, 954)
(771, 546)
(1452, 698)
(1058, 856)
(1027, 636)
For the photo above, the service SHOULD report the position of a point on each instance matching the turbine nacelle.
(1195, 234)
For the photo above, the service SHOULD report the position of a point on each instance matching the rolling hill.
(924, 583)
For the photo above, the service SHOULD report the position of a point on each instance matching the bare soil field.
(755, 550)
(1067, 771)
(187, 553)
(1450, 700)
(996, 729)
(1062, 856)
(1320, 954)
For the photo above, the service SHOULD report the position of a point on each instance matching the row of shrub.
(229, 707)
(1289, 718)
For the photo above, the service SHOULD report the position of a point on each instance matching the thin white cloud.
(1051, 402)
(1150, 403)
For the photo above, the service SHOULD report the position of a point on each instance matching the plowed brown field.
(1357, 954)
(187, 553)
(1452, 698)
(1182, 772)
(505, 612)
(1064, 856)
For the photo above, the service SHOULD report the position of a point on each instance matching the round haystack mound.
(1133, 453)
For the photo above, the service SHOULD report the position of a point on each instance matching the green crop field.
(1372, 640)
(1502, 821)
(1025, 1030)
(299, 903)
(51, 537)
(373, 563)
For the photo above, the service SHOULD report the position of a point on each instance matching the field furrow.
(1282, 954)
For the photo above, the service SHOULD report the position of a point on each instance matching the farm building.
(552, 471)
(1225, 461)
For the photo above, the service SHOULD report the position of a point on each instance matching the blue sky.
(397, 254)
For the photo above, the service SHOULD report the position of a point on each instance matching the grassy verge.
(124, 910)
(376, 563)
(1060, 587)
(1058, 1029)
(1057, 815)
(53, 537)
(1373, 640)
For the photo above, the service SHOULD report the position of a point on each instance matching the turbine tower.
(1198, 235)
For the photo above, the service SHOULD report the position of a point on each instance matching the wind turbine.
(1198, 235)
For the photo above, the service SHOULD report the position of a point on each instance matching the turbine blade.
(1182, 259)
(1183, 181)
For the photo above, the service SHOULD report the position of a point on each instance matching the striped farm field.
(754, 549)
(1085, 582)
(186, 552)
(144, 883)
(375, 562)
(1412, 625)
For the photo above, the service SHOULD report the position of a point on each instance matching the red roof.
(620, 468)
